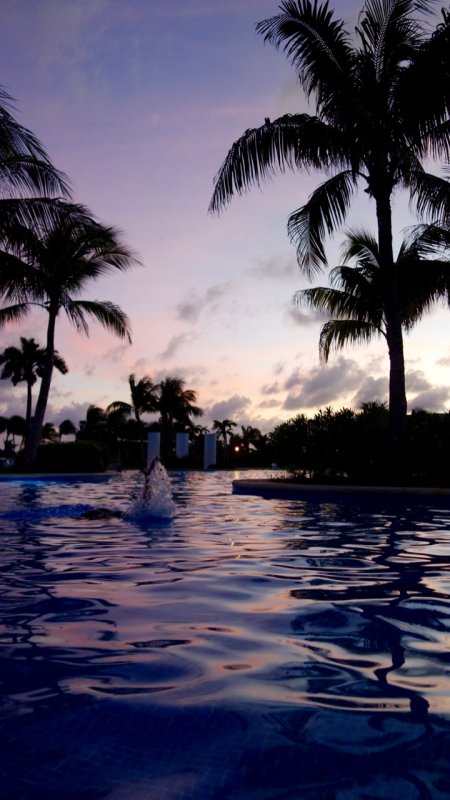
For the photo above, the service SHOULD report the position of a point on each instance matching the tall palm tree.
(224, 428)
(250, 436)
(27, 364)
(175, 404)
(144, 399)
(144, 396)
(356, 299)
(382, 104)
(49, 266)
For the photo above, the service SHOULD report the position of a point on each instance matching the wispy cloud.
(274, 268)
(322, 386)
(190, 309)
(433, 399)
(234, 406)
(175, 344)
(269, 404)
(117, 353)
(293, 313)
(270, 388)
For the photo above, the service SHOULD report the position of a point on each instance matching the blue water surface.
(247, 649)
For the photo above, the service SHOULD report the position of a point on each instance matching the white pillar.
(182, 445)
(153, 445)
(209, 450)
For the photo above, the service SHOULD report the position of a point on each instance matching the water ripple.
(248, 640)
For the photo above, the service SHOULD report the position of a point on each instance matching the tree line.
(332, 446)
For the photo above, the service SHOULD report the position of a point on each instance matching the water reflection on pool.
(246, 649)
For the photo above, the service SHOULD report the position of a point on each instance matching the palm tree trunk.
(394, 331)
(34, 434)
(29, 408)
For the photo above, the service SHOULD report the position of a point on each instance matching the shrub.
(85, 456)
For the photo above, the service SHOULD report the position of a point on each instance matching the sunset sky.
(138, 102)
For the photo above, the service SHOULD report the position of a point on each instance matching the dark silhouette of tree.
(251, 438)
(356, 298)
(15, 426)
(381, 110)
(94, 426)
(26, 364)
(66, 428)
(144, 399)
(49, 433)
(224, 428)
(176, 404)
(50, 266)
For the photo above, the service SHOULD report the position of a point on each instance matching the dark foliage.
(351, 447)
(69, 457)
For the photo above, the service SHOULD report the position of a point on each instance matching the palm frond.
(325, 210)
(432, 195)
(338, 333)
(14, 313)
(362, 246)
(390, 31)
(109, 315)
(119, 406)
(292, 141)
(24, 164)
(317, 45)
(426, 120)
(26, 173)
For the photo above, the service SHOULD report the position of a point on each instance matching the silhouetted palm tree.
(49, 433)
(27, 364)
(382, 103)
(356, 300)
(66, 428)
(250, 437)
(175, 404)
(144, 399)
(50, 266)
(15, 426)
(94, 426)
(224, 428)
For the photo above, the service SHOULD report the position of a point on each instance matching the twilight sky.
(138, 102)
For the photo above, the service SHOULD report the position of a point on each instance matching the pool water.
(247, 649)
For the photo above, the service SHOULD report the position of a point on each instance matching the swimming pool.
(248, 649)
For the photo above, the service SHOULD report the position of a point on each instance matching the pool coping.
(278, 489)
(53, 476)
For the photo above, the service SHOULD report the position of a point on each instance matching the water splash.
(155, 498)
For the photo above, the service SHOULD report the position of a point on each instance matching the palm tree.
(94, 426)
(15, 426)
(66, 428)
(49, 266)
(250, 437)
(224, 428)
(175, 404)
(356, 300)
(49, 433)
(27, 364)
(144, 399)
(144, 396)
(381, 108)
